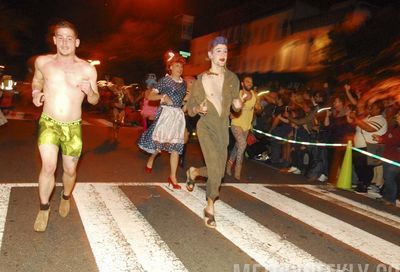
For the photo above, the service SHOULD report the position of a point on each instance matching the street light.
(94, 62)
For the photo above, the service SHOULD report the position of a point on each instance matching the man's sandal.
(209, 220)
(65, 204)
(189, 181)
(42, 218)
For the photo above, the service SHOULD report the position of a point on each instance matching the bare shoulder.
(43, 60)
(86, 66)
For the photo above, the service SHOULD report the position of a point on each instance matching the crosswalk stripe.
(368, 211)
(4, 200)
(122, 239)
(109, 246)
(265, 246)
(372, 245)
(152, 252)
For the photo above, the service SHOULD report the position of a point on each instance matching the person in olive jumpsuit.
(214, 93)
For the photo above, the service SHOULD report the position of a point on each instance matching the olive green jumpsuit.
(213, 130)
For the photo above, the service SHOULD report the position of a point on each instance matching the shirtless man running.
(60, 84)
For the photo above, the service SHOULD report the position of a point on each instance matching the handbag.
(251, 139)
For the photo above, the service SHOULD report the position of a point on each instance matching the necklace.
(210, 73)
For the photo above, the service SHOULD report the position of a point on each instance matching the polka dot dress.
(176, 92)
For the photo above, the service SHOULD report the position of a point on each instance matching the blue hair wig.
(216, 41)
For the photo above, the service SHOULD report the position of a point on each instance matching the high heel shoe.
(148, 169)
(189, 181)
(174, 185)
(209, 220)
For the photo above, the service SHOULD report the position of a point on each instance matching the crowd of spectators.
(329, 115)
(326, 115)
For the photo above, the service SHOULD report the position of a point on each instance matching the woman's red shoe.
(174, 185)
(148, 170)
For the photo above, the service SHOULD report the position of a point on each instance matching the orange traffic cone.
(344, 180)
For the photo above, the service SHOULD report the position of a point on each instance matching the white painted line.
(328, 186)
(4, 200)
(371, 245)
(151, 251)
(265, 246)
(365, 210)
(282, 185)
(109, 246)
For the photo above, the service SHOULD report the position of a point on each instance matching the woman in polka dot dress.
(167, 131)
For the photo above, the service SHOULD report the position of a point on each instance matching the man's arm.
(257, 107)
(353, 100)
(194, 103)
(238, 99)
(38, 83)
(154, 95)
(92, 94)
(365, 125)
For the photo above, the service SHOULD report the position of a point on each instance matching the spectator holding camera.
(339, 130)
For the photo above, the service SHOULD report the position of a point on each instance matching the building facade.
(293, 40)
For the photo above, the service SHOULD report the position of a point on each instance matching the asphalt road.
(123, 219)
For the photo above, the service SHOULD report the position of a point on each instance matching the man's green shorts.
(67, 135)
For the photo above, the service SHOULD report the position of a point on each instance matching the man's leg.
(215, 155)
(122, 117)
(69, 178)
(233, 155)
(48, 154)
(241, 144)
(116, 123)
(390, 185)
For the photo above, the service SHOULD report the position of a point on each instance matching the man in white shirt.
(374, 123)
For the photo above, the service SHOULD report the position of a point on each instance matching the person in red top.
(392, 152)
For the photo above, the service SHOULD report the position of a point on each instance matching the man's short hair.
(380, 105)
(65, 24)
(216, 41)
(245, 76)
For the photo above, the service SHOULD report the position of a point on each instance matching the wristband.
(35, 91)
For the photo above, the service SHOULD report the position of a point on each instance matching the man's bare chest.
(68, 75)
(213, 87)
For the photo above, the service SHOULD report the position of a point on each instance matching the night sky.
(128, 36)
